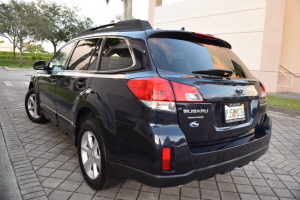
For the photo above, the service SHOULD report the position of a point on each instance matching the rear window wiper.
(215, 72)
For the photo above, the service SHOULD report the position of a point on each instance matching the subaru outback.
(162, 107)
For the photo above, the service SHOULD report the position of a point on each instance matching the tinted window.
(115, 55)
(184, 57)
(93, 62)
(58, 62)
(82, 54)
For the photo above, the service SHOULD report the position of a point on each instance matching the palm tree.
(127, 13)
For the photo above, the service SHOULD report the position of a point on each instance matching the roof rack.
(129, 25)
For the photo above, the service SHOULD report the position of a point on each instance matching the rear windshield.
(185, 57)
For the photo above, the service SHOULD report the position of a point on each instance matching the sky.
(100, 12)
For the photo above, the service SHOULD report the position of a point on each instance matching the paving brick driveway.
(46, 165)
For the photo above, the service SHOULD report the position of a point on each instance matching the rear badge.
(195, 111)
(197, 117)
(239, 90)
(194, 124)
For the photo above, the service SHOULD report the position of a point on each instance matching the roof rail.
(128, 25)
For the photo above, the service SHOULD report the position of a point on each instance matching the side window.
(58, 62)
(115, 55)
(82, 54)
(93, 63)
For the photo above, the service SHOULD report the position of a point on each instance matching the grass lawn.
(15, 63)
(283, 102)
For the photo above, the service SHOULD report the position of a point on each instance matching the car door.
(47, 80)
(75, 79)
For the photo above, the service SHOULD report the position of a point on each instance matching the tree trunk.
(127, 9)
(14, 54)
(54, 47)
(21, 53)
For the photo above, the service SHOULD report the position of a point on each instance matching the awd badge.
(194, 124)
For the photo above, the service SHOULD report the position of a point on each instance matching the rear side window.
(185, 57)
(115, 55)
(58, 62)
(82, 54)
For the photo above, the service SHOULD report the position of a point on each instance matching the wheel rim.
(90, 155)
(32, 107)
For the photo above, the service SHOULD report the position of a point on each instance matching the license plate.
(234, 112)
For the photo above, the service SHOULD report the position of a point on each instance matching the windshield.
(186, 57)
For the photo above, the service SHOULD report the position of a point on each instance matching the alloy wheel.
(32, 106)
(90, 155)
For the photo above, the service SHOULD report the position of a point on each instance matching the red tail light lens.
(263, 92)
(157, 93)
(151, 89)
(204, 36)
(186, 93)
(166, 159)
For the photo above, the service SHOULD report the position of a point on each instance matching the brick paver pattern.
(46, 165)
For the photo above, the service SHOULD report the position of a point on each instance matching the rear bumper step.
(181, 179)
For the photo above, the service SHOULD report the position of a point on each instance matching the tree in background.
(127, 6)
(7, 28)
(58, 23)
(17, 20)
(34, 48)
(1, 41)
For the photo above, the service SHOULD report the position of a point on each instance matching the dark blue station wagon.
(162, 107)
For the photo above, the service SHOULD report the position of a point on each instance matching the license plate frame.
(234, 112)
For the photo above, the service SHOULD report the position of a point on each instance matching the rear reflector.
(186, 93)
(166, 159)
(263, 92)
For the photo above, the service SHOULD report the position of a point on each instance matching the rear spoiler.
(188, 36)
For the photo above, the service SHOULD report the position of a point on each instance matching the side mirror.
(39, 65)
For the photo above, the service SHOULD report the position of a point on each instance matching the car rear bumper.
(197, 174)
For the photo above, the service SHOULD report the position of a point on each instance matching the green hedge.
(25, 57)
(6, 53)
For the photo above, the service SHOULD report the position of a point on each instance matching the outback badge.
(194, 124)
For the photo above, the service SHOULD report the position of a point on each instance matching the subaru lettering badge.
(194, 124)
(239, 90)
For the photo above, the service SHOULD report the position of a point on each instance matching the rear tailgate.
(230, 107)
(208, 123)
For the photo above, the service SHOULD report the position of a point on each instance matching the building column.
(272, 44)
(151, 10)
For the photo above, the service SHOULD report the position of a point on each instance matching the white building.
(263, 33)
(7, 47)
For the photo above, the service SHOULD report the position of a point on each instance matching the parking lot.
(46, 166)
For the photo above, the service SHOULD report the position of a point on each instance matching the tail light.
(204, 36)
(186, 93)
(157, 93)
(263, 93)
(166, 159)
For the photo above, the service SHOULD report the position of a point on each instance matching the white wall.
(240, 22)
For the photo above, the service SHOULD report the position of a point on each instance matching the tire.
(93, 157)
(32, 108)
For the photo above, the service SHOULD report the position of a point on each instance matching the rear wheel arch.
(82, 115)
(30, 85)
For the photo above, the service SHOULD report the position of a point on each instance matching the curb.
(283, 110)
(16, 68)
